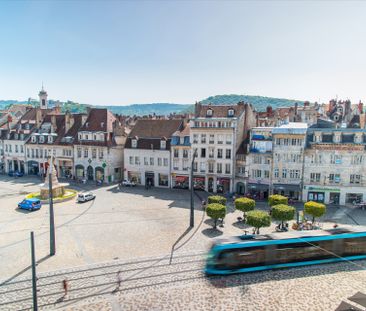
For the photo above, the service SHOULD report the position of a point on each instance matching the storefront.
(353, 198)
(199, 183)
(258, 191)
(65, 168)
(322, 194)
(316, 196)
(79, 171)
(99, 173)
(223, 185)
(181, 182)
(150, 179)
(135, 177)
(163, 180)
(287, 190)
(33, 168)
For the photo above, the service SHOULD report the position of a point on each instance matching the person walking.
(65, 285)
(119, 279)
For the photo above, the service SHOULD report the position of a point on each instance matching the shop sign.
(321, 189)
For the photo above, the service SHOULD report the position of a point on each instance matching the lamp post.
(34, 275)
(52, 217)
(191, 220)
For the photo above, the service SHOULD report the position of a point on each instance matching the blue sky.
(114, 52)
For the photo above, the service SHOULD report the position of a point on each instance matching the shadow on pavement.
(211, 232)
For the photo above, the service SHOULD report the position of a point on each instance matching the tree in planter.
(282, 212)
(217, 199)
(276, 199)
(216, 211)
(258, 219)
(244, 205)
(314, 209)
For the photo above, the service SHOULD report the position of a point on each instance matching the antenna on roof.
(42, 86)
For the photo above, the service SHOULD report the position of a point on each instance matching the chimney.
(69, 121)
(197, 108)
(38, 117)
(53, 123)
(9, 120)
(269, 110)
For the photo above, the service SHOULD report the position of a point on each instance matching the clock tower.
(43, 102)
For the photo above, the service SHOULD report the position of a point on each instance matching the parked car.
(30, 204)
(85, 196)
(128, 183)
(15, 174)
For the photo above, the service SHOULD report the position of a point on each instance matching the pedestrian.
(119, 279)
(65, 284)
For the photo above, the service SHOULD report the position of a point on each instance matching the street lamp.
(191, 220)
(52, 217)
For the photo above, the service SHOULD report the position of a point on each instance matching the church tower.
(43, 102)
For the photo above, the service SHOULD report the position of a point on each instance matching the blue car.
(15, 174)
(30, 204)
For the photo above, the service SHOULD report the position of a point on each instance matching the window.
(6, 148)
(95, 137)
(355, 179)
(284, 173)
(166, 162)
(211, 152)
(185, 153)
(315, 177)
(228, 154)
(137, 160)
(203, 152)
(41, 153)
(146, 161)
(185, 165)
(334, 178)
(357, 159)
(256, 173)
(101, 154)
(32, 153)
(285, 141)
(131, 160)
(41, 139)
(257, 159)
(134, 143)
(176, 153)
(219, 153)
(16, 148)
(230, 113)
(21, 149)
(160, 162)
(276, 173)
(34, 139)
(163, 144)
(209, 113)
(10, 148)
(181, 140)
(85, 153)
(335, 159)
(151, 161)
(210, 167)
(220, 139)
(50, 139)
(37, 153)
(211, 139)
(266, 174)
(176, 164)
(203, 138)
(219, 168)
(195, 138)
(227, 168)
(228, 139)
(202, 167)
(27, 152)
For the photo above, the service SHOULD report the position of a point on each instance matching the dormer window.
(163, 144)
(50, 139)
(101, 124)
(41, 139)
(80, 136)
(134, 143)
(182, 140)
(209, 112)
(34, 139)
(230, 112)
(95, 137)
(87, 124)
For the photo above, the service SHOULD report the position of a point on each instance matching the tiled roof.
(148, 143)
(99, 120)
(155, 128)
(219, 111)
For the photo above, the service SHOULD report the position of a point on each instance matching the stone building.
(217, 132)
(335, 165)
(98, 147)
(288, 159)
(147, 152)
(181, 158)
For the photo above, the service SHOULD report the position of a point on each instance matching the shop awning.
(258, 186)
(289, 187)
(181, 178)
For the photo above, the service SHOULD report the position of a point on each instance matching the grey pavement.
(144, 233)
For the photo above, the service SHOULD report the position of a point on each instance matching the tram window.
(354, 246)
(241, 258)
(295, 252)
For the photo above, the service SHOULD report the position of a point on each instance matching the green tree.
(276, 199)
(258, 219)
(244, 205)
(216, 211)
(282, 212)
(216, 199)
(314, 209)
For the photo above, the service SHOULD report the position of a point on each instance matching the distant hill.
(259, 102)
